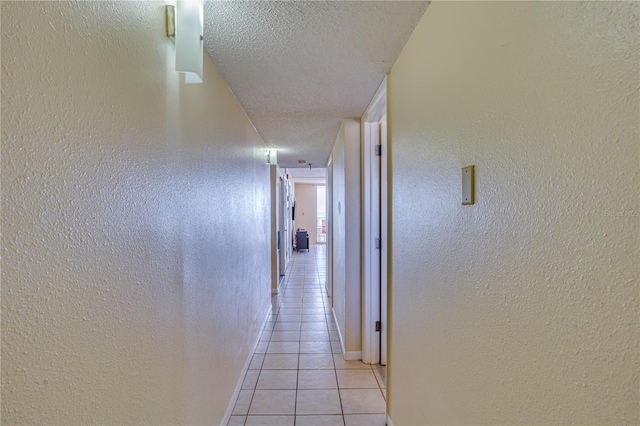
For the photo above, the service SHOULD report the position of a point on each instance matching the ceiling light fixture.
(185, 22)
(302, 161)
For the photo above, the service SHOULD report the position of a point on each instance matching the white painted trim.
(353, 356)
(333, 311)
(329, 271)
(389, 422)
(281, 225)
(348, 356)
(371, 257)
(386, 238)
(236, 392)
(377, 108)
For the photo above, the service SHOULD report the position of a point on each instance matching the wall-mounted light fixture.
(272, 156)
(185, 23)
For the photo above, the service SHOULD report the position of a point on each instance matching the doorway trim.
(329, 181)
(374, 225)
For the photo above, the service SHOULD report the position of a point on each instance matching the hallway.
(140, 213)
(297, 374)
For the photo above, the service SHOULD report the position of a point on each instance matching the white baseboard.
(236, 392)
(389, 422)
(348, 356)
(353, 356)
(280, 282)
(333, 312)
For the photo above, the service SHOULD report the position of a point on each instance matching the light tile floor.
(297, 375)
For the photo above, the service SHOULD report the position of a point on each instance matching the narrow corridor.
(297, 374)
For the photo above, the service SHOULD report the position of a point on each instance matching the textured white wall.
(135, 210)
(306, 212)
(346, 234)
(522, 308)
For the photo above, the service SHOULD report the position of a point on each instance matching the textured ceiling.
(299, 67)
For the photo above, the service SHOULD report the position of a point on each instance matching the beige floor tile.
(313, 311)
(285, 336)
(357, 379)
(277, 379)
(283, 348)
(365, 419)
(314, 335)
(280, 362)
(289, 317)
(236, 420)
(265, 336)
(317, 379)
(316, 361)
(268, 325)
(313, 318)
(256, 362)
(381, 377)
(261, 347)
(273, 402)
(318, 402)
(270, 420)
(250, 379)
(342, 364)
(314, 326)
(335, 347)
(242, 403)
(315, 347)
(287, 326)
(295, 311)
(362, 401)
(295, 292)
(320, 420)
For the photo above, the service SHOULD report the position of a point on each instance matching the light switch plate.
(468, 186)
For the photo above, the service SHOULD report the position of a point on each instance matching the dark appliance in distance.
(302, 240)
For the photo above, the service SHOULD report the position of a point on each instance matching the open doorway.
(321, 214)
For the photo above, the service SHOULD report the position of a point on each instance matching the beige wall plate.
(468, 185)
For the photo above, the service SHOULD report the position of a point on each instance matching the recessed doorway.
(321, 214)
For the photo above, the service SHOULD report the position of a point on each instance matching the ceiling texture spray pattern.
(299, 67)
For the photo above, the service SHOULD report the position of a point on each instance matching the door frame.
(374, 225)
(329, 186)
(282, 224)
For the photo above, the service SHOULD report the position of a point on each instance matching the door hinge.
(378, 243)
(378, 326)
(378, 150)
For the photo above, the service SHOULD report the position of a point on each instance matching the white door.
(374, 131)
